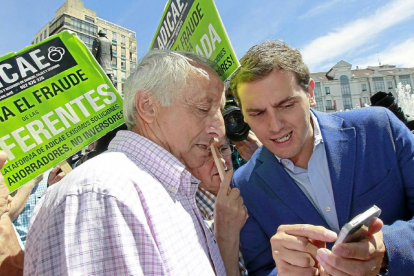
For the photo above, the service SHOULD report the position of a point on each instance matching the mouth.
(283, 139)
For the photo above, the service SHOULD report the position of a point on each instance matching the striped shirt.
(129, 211)
(205, 202)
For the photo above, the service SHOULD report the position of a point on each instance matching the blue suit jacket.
(371, 161)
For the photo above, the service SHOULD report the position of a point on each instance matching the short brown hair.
(261, 59)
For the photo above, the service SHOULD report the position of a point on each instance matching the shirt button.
(285, 163)
(173, 189)
(327, 208)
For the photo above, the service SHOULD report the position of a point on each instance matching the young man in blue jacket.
(317, 171)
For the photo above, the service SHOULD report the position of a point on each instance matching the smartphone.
(357, 229)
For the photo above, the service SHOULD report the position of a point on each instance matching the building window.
(329, 105)
(319, 104)
(345, 89)
(114, 50)
(123, 39)
(365, 100)
(364, 87)
(123, 52)
(405, 79)
(114, 37)
(327, 90)
(318, 91)
(379, 84)
(89, 19)
(114, 62)
(390, 85)
(36, 40)
(123, 77)
(347, 103)
(132, 66)
(84, 27)
(41, 37)
(346, 92)
(123, 65)
(45, 34)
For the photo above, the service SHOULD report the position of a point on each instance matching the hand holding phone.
(357, 229)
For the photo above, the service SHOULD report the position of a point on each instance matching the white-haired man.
(132, 210)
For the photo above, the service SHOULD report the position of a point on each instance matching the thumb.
(225, 184)
(375, 226)
(5, 218)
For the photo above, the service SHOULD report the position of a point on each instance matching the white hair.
(162, 73)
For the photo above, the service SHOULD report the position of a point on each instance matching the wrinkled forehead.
(205, 86)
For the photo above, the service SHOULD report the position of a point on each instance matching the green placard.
(195, 26)
(54, 100)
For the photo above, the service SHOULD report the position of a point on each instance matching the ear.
(146, 106)
(311, 92)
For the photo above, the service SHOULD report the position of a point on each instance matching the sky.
(361, 32)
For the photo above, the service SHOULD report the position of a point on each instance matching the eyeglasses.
(224, 150)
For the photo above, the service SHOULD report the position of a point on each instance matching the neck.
(148, 132)
(301, 160)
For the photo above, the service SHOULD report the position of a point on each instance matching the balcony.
(114, 41)
(114, 66)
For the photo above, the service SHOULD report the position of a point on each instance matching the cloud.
(319, 9)
(357, 33)
(401, 54)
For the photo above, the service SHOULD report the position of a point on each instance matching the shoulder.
(365, 119)
(110, 174)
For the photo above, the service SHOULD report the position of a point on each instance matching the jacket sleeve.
(258, 256)
(399, 236)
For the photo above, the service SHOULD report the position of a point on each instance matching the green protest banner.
(54, 100)
(195, 26)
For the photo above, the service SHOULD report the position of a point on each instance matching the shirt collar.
(155, 160)
(205, 203)
(318, 139)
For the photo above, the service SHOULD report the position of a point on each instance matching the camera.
(236, 129)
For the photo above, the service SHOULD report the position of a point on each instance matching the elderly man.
(317, 171)
(211, 196)
(132, 210)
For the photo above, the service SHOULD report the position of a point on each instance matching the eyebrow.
(290, 98)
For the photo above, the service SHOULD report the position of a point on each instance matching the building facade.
(342, 88)
(73, 16)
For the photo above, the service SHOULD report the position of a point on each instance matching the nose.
(276, 123)
(216, 125)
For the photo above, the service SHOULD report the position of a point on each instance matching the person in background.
(132, 209)
(316, 171)
(212, 195)
(11, 251)
(26, 198)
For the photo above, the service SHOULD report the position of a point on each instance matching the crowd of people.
(149, 200)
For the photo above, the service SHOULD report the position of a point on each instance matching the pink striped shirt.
(130, 211)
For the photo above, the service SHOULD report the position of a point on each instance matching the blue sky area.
(325, 31)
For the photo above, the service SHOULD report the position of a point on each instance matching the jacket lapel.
(340, 145)
(278, 180)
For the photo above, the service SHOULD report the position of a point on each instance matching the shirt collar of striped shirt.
(154, 159)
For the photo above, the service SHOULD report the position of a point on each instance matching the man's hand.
(294, 248)
(55, 176)
(358, 258)
(230, 215)
(11, 254)
(5, 199)
(247, 147)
